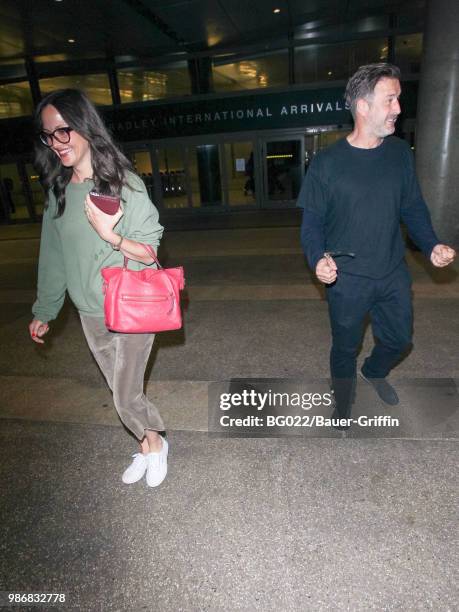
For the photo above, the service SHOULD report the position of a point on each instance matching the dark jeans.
(350, 300)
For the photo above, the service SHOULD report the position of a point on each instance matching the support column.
(113, 79)
(201, 75)
(209, 174)
(437, 121)
(33, 80)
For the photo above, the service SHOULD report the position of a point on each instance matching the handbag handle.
(150, 251)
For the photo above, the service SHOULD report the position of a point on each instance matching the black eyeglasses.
(61, 134)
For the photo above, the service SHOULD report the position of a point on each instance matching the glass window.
(76, 53)
(12, 69)
(315, 29)
(15, 100)
(268, 71)
(139, 85)
(335, 62)
(96, 86)
(8, 61)
(408, 51)
(409, 18)
(240, 173)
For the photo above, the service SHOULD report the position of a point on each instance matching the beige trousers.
(123, 359)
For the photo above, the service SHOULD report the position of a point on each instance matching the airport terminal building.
(227, 122)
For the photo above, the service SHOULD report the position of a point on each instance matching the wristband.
(117, 246)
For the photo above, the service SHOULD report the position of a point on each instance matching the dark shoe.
(384, 390)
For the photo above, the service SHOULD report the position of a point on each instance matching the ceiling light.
(71, 40)
(276, 11)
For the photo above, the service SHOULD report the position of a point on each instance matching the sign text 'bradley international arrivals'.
(230, 115)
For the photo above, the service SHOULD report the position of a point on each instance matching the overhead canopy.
(132, 31)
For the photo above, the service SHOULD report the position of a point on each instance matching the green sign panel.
(233, 114)
(263, 111)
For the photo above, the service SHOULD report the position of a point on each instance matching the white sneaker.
(157, 465)
(136, 470)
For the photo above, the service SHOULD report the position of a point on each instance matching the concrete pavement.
(291, 523)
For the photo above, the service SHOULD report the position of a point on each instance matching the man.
(354, 196)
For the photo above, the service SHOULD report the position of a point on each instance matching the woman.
(75, 154)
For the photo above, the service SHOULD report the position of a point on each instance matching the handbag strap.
(150, 251)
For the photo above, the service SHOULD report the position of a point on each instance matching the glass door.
(141, 161)
(310, 149)
(15, 195)
(283, 170)
(190, 175)
(240, 174)
(174, 183)
(320, 138)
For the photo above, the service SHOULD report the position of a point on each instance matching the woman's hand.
(101, 222)
(38, 329)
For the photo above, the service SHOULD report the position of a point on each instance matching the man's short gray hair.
(362, 84)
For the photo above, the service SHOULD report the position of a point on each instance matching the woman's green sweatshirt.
(72, 254)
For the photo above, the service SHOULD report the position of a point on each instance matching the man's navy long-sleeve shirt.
(354, 200)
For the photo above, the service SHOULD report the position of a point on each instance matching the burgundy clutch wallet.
(106, 203)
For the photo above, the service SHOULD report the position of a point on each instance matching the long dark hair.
(109, 165)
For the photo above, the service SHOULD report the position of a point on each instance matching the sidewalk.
(281, 524)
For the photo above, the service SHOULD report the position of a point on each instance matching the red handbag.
(142, 301)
